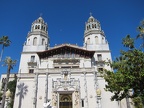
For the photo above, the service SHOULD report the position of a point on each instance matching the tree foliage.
(141, 33)
(137, 102)
(5, 42)
(9, 63)
(128, 71)
(12, 87)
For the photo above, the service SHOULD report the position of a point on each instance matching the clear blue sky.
(66, 21)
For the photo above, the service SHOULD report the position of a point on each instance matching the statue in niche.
(65, 75)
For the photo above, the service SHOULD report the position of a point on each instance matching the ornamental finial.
(90, 14)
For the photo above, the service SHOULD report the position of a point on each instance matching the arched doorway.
(65, 101)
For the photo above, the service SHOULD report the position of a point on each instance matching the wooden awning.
(66, 48)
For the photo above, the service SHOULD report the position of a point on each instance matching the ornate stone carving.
(76, 94)
(54, 99)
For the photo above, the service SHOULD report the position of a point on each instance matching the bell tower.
(37, 38)
(94, 37)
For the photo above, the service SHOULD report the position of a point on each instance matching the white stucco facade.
(66, 76)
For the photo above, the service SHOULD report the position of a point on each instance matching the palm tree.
(4, 40)
(9, 63)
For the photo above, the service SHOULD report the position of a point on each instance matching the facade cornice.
(93, 32)
(38, 33)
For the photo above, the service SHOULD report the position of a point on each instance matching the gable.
(66, 51)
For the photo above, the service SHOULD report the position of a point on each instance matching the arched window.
(43, 41)
(89, 27)
(95, 25)
(36, 27)
(96, 39)
(32, 27)
(92, 25)
(88, 41)
(102, 40)
(28, 42)
(35, 41)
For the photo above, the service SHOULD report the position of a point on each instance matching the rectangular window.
(99, 57)
(31, 70)
(82, 102)
(100, 69)
(56, 67)
(32, 58)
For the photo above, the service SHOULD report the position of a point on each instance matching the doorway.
(65, 101)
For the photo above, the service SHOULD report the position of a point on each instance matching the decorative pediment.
(66, 51)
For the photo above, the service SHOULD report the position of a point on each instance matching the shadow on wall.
(22, 91)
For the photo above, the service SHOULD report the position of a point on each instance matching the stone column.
(54, 99)
(79, 94)
(76, 99)
(46, 89)
(85, 87)
(95, 85)
(35, 90)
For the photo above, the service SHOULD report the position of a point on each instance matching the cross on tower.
(90, 14)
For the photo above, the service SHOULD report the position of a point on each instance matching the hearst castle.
(66, 75)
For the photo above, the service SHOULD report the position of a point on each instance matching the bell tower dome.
(94, 37)
(37, 38)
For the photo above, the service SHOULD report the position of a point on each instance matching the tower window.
(31, 70)
(89, 27)
(88, 41)
(28, 42)
(43, 41)
(99, 57)
(35, 41)
(91, 19)
(95, 25)
(32, 58)
(100, 69)
(82, 102)
(102, 40)
(32, 27)
(96, 39)
(92, 25)
(38, 26)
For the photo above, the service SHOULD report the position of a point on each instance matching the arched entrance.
(65, 101)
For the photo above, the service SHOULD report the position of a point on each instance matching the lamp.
(98, 92)
(8, 94)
